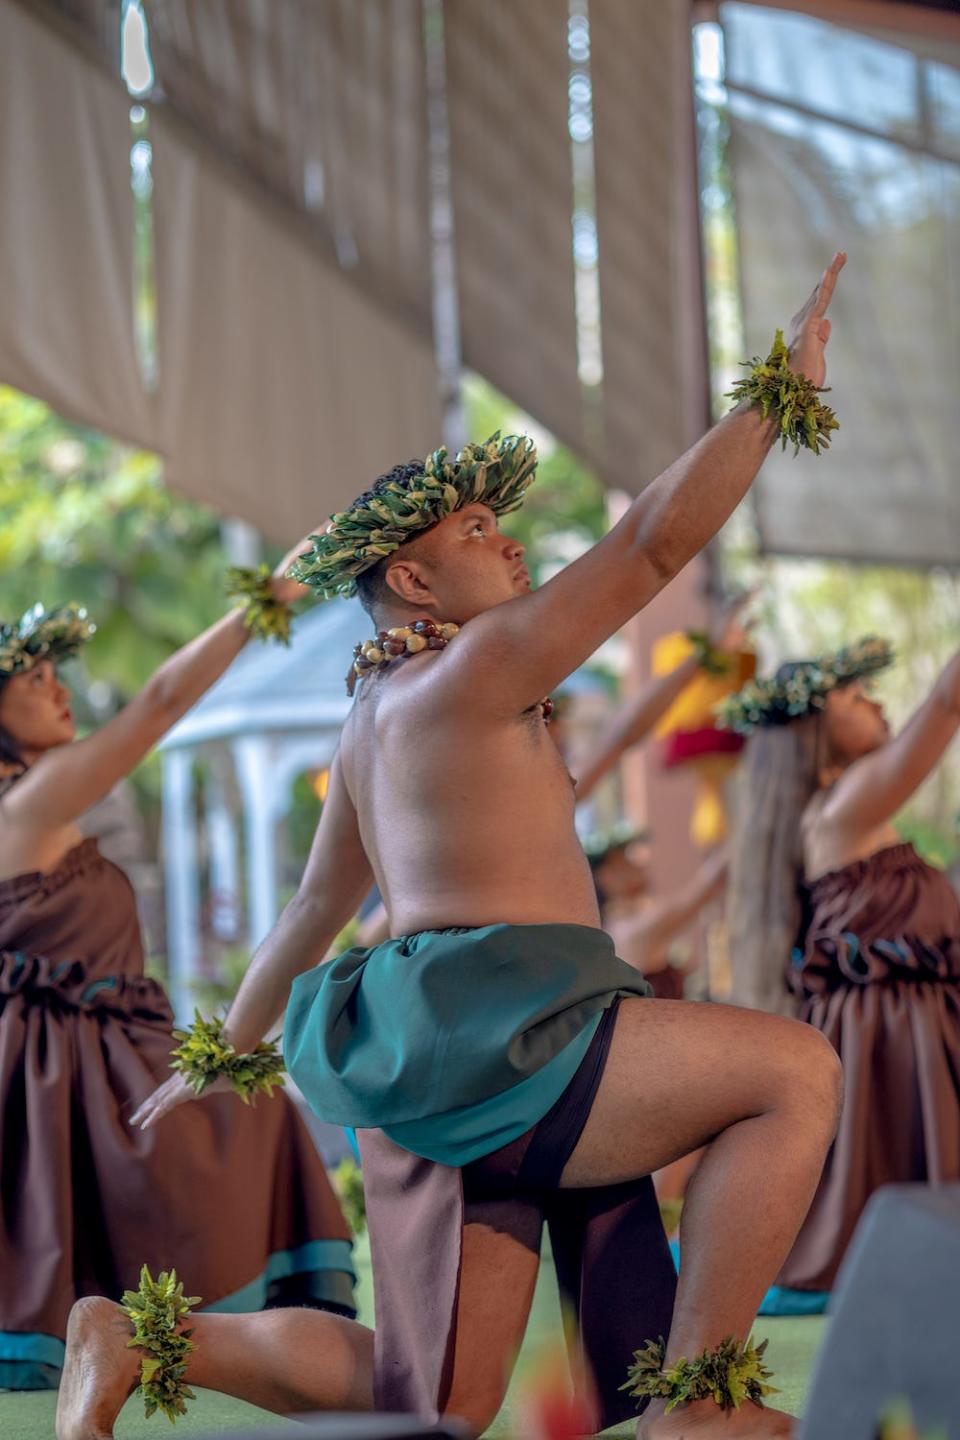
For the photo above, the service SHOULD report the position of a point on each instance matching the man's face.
(469, 566)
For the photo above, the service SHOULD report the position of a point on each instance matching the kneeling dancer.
(500, 1062)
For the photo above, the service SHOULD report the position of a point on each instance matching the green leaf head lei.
(413, 498)
(801, 687)
(41, 634)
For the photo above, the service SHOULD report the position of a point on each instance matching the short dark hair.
(9, 751)
(372, 588)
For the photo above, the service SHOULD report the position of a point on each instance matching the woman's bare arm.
(875, 787)
(665, 918)
(634, 721)
(66, 781)
(335, 881)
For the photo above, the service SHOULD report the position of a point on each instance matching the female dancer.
(235, 1197)
(832, 913)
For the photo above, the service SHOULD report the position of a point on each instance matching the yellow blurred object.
(708, 823)
(692, 737)
(320, 784)
(693, 707)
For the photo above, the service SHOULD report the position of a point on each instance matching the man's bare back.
(471, 822)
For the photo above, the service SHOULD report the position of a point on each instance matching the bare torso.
(466, 819)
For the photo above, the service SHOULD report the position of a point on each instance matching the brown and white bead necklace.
(402, 641)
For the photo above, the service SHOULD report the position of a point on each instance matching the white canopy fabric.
(293, 204)
(842, 139)
(283, 389)
(66, 232)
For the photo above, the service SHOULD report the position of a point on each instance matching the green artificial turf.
(30, 1416)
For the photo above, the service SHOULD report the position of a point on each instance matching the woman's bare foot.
(704, 1419)
(99, 1371)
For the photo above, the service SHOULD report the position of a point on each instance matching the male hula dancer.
(496, 1047)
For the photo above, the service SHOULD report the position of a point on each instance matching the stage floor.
(793, 1344)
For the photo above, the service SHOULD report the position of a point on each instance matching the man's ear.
(407, 579)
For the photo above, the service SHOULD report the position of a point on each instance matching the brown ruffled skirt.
(234, 1197)
(892, 1013)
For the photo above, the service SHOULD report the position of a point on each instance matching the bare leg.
(762, 1093)
(281, 1360)
(496, 1290)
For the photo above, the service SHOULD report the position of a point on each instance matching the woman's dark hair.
(9, 752)
(778, 777)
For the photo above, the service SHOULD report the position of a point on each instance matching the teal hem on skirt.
(324, 1268)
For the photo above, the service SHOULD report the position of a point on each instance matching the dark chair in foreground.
(895, 1321)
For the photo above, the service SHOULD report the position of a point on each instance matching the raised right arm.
(532, 643)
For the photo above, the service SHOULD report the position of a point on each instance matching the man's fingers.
(828, 283)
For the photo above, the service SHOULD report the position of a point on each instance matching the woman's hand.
(173, 1092)
(288, 591)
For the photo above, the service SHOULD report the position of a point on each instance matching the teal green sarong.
(453, 1042)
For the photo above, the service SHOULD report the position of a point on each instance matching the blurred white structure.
(276, 713)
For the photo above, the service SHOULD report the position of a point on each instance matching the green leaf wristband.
(711, 660)
(204, 1055)
(264, 615)
(802, 418)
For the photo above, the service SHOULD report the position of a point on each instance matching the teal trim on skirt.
(453, 1042)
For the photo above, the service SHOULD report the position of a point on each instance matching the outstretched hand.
(809, 329)
(730, 629)
(285, 590)
(173, 1092)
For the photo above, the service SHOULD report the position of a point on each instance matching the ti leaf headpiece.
(42, 635)
(801, 686)
(411, 499)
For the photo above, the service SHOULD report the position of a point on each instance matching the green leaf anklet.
(264, 616)
(802, 417)
(155, 1311)
(727, 1375)
(204, 1055)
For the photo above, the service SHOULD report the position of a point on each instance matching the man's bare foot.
(99, 1371)
(704, 1419)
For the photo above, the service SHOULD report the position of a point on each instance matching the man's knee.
(804, 1066)
(814, 1074)
(478, 1405)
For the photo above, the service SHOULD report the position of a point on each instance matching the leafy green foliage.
(897, 1423)
(802, 418)
(264, 616)
(711, 660)
(156, 1309)
(728, 1375)
(205, 1055)
(348, 1182)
